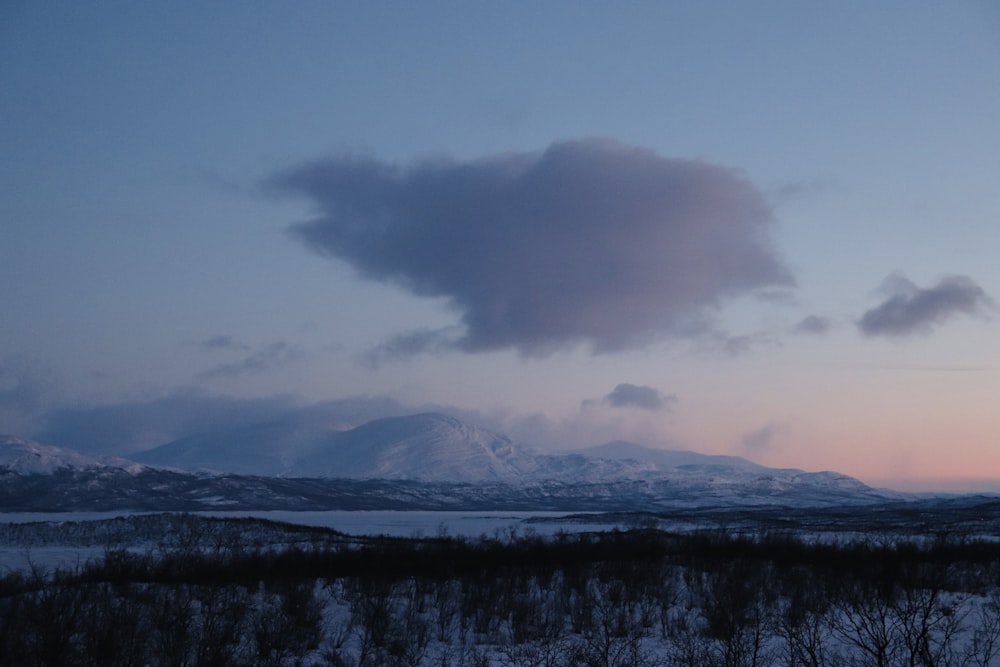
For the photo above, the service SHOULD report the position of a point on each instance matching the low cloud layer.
(908, 309)
(23, 387)
(588, 241)
(122, 428)
(126, 428)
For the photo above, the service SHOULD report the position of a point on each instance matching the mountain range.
(428, 460)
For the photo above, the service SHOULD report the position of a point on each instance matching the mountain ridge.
(28, 457)
(422, 461)
(427, 446)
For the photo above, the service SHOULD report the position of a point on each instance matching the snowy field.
(22, 556)
(282, 594)
(916, 525)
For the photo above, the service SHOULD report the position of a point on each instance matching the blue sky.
(162, 162)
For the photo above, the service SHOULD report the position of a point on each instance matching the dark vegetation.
(213, 592)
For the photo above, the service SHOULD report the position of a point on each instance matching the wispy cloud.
(221, 342)
(268, 358)
(410, 344)
(737, 345)
(908, 309)
(715, 342)
(800, 189)
(760, 440)
(588, 241)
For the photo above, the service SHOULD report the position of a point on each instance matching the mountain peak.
(427, 446)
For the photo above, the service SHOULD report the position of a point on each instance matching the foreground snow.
(184, 589)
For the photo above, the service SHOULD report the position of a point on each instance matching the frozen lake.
(429, 524)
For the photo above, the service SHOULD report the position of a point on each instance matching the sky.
(764, 229)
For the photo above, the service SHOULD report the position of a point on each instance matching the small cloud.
(814, 324)
(222, 342)
(218, 181)
(736, 345)
(909, 310)
(739, 345)
(268, 358)
(640, 397)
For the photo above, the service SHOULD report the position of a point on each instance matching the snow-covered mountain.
(27, 457)
(428, 447)
(432, 447)
(424, 461)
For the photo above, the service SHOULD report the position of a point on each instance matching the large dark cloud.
(908, 309)
(589, 240)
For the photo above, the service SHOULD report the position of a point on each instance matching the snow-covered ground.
(21, 556)
(641, 605)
